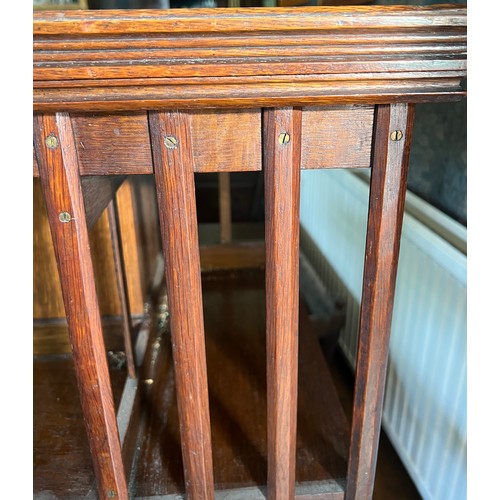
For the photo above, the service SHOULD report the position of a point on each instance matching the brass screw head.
(284, 138)
(51, 141)
(170, 142)
(64, 217)
(397, 135)
(111, 494)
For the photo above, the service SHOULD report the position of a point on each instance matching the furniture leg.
(282, 141)
(61, 184)
(391, 148)
(174, 172)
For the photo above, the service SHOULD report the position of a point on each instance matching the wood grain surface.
(336, 137)
(226, 140)
(174, 92)
(63, 193)
(282, 142)
(105, 143)
(177, 207)
(385, 217)
(137, 216)
(222, 141)
(234, 304)
(253, 57)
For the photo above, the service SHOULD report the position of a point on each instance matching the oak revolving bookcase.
(174, 92)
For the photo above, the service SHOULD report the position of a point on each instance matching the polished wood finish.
(254, 57)
(282, 141)
(176, 201)
(63, 193)
(175, 92)
(50, 337)
(47, 297)
(385, 219)
(121, 280)
(234, 303)
(62, 462)
(336, 137)
(222, 141)
(226, 140)
(137, 216)
(104, 142)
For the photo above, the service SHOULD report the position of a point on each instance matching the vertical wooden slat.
(282, 190)
(174, 173)
(60, 180)
(121, 282)
(385, 217)
(225, 207)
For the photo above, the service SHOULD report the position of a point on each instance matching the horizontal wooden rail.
(222, 141)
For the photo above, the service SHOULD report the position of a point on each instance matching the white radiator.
(425, 401)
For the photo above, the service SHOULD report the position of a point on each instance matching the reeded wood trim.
(255, 57)
(113, 22)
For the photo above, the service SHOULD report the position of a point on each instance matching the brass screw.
(64, 217)
(51, 141)
(170, 142)
(284, 138)
(397, 135)
(111, 494)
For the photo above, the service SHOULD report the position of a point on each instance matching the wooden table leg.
(282, 136)
(393, 128)
(174, 172)
(60, 180)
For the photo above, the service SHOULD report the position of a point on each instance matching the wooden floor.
(235, 339)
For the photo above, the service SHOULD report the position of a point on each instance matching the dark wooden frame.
(169, 76)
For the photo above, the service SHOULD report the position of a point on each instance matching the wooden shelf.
(62, 466)
(234, 308)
